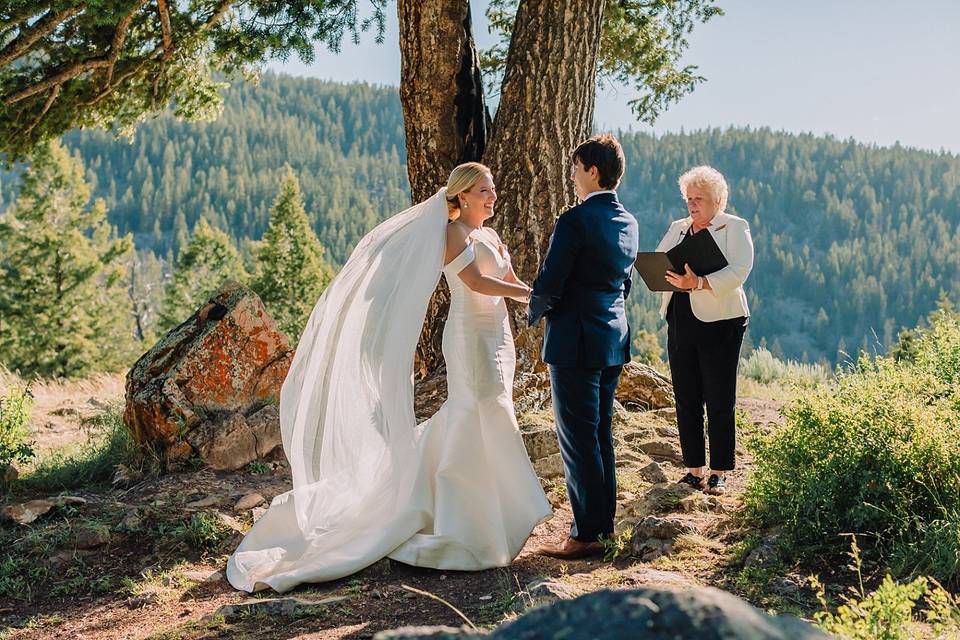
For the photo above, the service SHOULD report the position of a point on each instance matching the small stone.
(545, 591)
(143, 600)
(257, 512)
(667, 431)
(203, 503)
(230, 522)
(653, 473)
(27, 512)
(248, 501)
(765, 554)
(204, 577)
(131, 521)
(91, 537)
(549, 467)
(70, 500)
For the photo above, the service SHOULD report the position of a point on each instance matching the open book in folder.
(699, 250)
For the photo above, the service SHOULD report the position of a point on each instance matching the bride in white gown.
(455, 492)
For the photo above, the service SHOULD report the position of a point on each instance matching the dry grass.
(60, 405)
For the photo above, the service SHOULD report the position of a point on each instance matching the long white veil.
(346, 407)
(346, 412)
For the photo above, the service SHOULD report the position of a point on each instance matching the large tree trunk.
(444, 117)
(546, 110)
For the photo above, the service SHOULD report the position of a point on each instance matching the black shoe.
(694, 481)
(716, 485)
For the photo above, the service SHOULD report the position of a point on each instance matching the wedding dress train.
(455, 492)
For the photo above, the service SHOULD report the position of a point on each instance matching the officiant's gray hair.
(709, 179)
(461, 179)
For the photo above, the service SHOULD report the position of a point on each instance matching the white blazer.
(725, 298)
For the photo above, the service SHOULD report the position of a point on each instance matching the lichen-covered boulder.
(207, 387)
(643, 387)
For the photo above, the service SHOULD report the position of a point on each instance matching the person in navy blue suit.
(581, 291)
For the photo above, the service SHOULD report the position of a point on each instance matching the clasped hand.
(687, 280)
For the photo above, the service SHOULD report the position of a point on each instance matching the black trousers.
(703, 364)
(583, 407)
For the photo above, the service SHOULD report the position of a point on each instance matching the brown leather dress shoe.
(571, 549)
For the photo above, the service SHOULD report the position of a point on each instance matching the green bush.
(876, 454)
(92, 463)
(890, 612)
(14, 416)
(764, 367)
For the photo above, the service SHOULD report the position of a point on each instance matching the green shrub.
(876, 454)
(14, 416)
(205, 531)
(92, 463)
(888, 612)
(764, 367)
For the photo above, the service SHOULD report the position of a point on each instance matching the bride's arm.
(471, 276)
(511, 275)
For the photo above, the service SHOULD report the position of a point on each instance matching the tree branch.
(69, 73)
(43, 112)
(164, 12)
(119, 36)
(217, 14)
(29, 37)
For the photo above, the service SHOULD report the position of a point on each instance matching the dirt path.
(149, 577)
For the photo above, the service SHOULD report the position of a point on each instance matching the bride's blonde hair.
(462, 178)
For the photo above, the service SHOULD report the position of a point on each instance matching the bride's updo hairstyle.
(462, 178)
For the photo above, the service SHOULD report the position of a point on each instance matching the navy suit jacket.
(583, 283)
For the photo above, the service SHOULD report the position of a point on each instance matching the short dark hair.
(605, 153)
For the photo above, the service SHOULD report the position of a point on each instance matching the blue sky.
(878, 71)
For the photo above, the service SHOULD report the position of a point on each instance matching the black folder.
(699, 250)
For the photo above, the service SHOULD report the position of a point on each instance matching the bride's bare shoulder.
(457, 237)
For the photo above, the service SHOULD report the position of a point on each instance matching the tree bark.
(545, 111)
(444, 118)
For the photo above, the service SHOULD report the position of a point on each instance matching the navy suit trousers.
(583, 407)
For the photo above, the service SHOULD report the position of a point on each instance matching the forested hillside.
(853, 242)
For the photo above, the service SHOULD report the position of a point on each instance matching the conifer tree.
(291, 269)
(64, 308)
(208, 260)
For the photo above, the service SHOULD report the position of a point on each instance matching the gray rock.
(667, 431)
(549, 467)
(545, 591)
(90, 536)
(667, 413)
(765, 554)
(540, 441)
(653, 473)
(653, 536)
(702, 502)
(662, 450)
(434, 633)
(654, 614)
(659, 498)
(662, 528)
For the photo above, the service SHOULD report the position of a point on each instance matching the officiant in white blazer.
(706, 322)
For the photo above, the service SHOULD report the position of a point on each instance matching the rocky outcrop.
(643, 387)
(210, 386)
(651, 613)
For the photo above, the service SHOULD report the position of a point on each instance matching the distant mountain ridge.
(853, 242)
